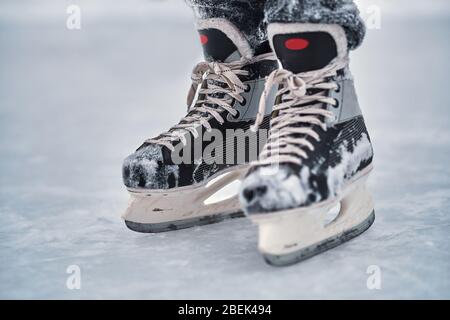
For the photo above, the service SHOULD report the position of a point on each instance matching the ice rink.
(74, 103)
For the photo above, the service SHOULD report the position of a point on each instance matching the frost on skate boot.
(190, 174)
(318, 153)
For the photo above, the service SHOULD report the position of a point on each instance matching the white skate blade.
(184, 207)
(290, 236)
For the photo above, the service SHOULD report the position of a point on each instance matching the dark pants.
(252, 16)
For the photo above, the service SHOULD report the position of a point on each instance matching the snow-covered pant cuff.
(342, 12)
(252, 16)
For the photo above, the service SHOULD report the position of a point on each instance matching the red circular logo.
(296, 44)
(203, 39)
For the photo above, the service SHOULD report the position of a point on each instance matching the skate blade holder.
(228, 188)
(294, 235)
(218, 195)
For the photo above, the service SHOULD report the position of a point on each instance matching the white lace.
(282, 146)
(202, 110)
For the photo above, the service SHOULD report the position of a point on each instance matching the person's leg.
(342, 12)
(246, 15)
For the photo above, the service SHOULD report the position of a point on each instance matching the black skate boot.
(318, 153)
(185, 177)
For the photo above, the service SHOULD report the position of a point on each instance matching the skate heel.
(294, 235)
(184, 207)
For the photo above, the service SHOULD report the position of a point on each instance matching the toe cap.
(272, 188)
(146, 169)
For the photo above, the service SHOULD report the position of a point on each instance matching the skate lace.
(298, 114)
(219, 86)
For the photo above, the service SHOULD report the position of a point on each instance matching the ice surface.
(74, 104)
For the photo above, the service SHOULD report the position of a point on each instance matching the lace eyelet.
(247, 88)
(244, 102)
(338, 89)
(238, 114)
(337, 104)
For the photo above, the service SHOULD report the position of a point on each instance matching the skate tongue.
(303, 47)
(222, 41)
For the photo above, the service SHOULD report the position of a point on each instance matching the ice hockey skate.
(177, 179)
(318, 155)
